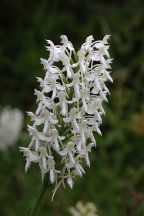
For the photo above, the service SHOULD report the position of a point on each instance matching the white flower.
(76, 84)
(84, 152)
(56, 139)
(66, 42)
(30, 157)
(70, 151)
(43, 157)
(47, 118)
(88, 43)
(63, 102)
(45, 63)
(82, 62)
(55, 52)
(67, 66)
(34, 118)
(69, 109)
(73, 116)
(88, 209)
(51, 169)
(11, 121)
(36, 137)
(53, 86)
(85, 96)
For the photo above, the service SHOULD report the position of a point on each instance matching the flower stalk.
(42, 192)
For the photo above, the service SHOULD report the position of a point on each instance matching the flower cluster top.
(69, 108)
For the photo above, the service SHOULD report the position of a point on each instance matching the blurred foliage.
(115, 180)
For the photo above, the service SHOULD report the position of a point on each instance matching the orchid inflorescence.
(69, 108)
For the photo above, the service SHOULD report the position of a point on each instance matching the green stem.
(39, 198)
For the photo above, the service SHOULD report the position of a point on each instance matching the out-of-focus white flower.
(69, 111)
(11, 121)
(81, 209)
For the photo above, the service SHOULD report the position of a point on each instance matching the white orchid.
(69, 109)
(11, 122)
(84, 209)
(55, 139)
(31, 156)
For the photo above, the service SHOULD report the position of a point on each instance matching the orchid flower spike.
(69, 109)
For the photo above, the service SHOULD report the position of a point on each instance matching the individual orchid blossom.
(67, 45)
(67, 66)
(82, 61)
(76, 84)
(31, 156)
(69, 150)
(73, 116)
(69, 111)
(55, 139)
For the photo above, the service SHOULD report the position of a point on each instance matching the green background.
(115, 180)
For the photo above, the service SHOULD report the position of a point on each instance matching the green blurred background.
(115, 181)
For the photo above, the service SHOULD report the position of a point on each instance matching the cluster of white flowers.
(69, 108)
(81, 209)
(11, 121)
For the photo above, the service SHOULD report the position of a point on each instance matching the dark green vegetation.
(115, 181)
